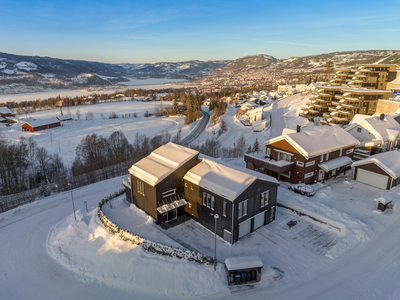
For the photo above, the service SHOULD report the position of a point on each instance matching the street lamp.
(216, 217)
(72, 198)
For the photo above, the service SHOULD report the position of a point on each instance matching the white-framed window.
(327, 156)
(309, 175)
(208, 200)
(310, 163)
(287, 174)
(340, 152)
(224, 209)
(192, 188)
(322, 157)
(300, 163)
(242, 208)
(168, 193)
(186, 184)
(140, 185)
(348, 151)
(284, 156)
(264, 198)
(268, 151)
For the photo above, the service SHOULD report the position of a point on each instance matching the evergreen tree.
(256, 146)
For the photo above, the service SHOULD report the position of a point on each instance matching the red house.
(36, 125)
(5, 112)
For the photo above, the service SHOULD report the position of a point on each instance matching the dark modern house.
(173, 181)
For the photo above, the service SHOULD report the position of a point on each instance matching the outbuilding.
(381, 170)
(36, 125)
(245, 269)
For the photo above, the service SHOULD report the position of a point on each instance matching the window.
(310, 163)
(242, 209)
(284, 156)
(224, 209)
(300, 163)
(185, 184)
(359, 129)
(340, 152)
(348, 151)
(268, 152)
(322, 157)
(168, 193)
(327, 156)
(208, 200)
(140, 185)
(287, 174)
(308, 175)
(264, 198)
(192, 188)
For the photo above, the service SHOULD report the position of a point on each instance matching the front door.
(321, 175)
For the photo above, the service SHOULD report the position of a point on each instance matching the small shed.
(259, 125)
(380, 170)
(64, 118)
(6, 112)
(243, 269)
(36, 125)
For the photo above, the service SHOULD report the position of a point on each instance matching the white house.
(372, 131)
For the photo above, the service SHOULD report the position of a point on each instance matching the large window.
(224, 209)
(242, 208)
(140, 185)
(264, 198)
(208, 200)
(284, 156)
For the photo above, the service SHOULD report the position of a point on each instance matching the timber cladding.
(205, 214)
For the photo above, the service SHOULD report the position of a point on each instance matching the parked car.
(302, 189)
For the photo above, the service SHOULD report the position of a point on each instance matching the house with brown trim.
(305, 156)
(381, 170)
(6, 112)
(173, 180)
(64, 118)
(36, 125)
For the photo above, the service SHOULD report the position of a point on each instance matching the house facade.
(173, 181)
(36, 125)
(380, 171)
(305, 156)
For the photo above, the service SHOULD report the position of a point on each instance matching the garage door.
(259, 220)
(244, 228)
(371, 178)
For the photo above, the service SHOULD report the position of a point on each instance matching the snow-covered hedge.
(148, 245)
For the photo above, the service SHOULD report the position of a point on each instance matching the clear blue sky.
(172, 30)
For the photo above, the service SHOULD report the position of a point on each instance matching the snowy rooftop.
(335, 163)
(243, 262)
(318, 140)
(387, 129)
(5, 110)
(37, 123)
(162, 162)
(64, 117)
(224, 179)
(388, 161)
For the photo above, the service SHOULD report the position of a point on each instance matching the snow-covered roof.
(36, 123)
(226, 180)
(243, 262)
(2, 119)
(5, 110)
(170, 206)
(162, 162)
(318, 140)
(64, 117)
(388, 161)
(335, 163)
(387, 129)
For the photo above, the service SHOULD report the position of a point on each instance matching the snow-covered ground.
(46, 254)
(133, 83)
(64, 139)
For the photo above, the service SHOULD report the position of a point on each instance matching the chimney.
(382, 117)
(298, 128)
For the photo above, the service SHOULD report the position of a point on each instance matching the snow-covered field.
(46, 254)
(64, 139)
(133, 83)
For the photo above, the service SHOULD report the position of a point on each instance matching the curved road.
(198, 130)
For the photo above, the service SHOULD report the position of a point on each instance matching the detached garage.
(381, 171)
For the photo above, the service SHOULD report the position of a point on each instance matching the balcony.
(353, 99)
(350, 105)
(346, 112)
(340, 119)
(322, 100)
(332, 108)
(326, 115)
(338, 97)
(335, 102)
(279, 167)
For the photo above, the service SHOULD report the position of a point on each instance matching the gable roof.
(36, 123)
(5, 110)
(224, 179)
(387, 129)
(388, 161)
(318, 140)
(162, 162)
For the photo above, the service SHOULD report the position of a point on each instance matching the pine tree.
(256, 146)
